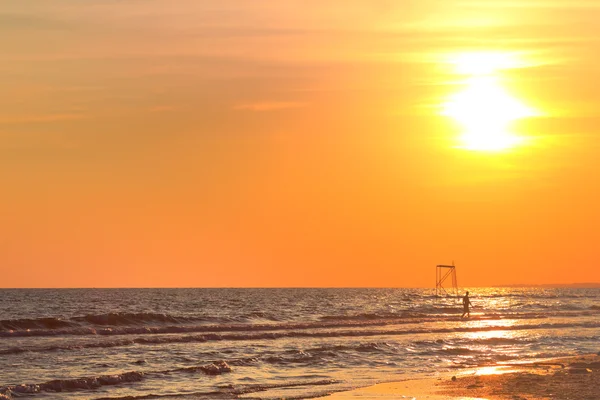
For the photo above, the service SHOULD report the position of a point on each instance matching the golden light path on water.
(483, 107)
(499, 334)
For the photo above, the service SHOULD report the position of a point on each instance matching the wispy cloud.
(29, 22)
(269, 106)
(40, 118)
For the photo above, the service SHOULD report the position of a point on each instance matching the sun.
(483, 107)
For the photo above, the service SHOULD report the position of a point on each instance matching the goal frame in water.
(442, 274)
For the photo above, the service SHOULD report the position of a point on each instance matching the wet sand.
(576, 378)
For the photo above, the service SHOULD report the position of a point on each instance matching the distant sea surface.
(272, 343)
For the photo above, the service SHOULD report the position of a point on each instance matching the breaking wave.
(148, 323)
(260, 335)
(95, 382)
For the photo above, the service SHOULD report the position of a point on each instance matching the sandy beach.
(573, 378)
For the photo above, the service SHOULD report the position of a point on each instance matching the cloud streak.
(269, 106)
(40, 118)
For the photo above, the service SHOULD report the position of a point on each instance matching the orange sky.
(262, 143)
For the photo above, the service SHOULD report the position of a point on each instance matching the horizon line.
(582, 285)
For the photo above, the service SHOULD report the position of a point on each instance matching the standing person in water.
(466, 304)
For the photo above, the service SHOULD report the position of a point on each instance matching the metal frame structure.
(443, 272)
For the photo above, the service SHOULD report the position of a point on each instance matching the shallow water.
(111, 343)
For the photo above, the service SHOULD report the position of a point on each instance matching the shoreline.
(575, 378)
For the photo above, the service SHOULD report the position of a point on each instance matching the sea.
(273, 343)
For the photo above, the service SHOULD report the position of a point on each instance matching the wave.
(95, 382)
(35, 323)
(216, 368)
(500, 341)
(262, 387)
(247, 336)
(459, 351)
(372, 316)
(61, 385)
(148, 323)
(235, 392)
(335, 322)
(321, 353)
(90, 321)
(118, 319)
(479, 341)
(110, 319)
(91, 383)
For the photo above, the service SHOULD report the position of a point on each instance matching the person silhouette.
(466, 304)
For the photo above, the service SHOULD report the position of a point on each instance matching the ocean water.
(272, 343)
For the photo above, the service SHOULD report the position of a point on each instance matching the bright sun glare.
(483, 107)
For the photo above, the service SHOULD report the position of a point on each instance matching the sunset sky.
(203, 143)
